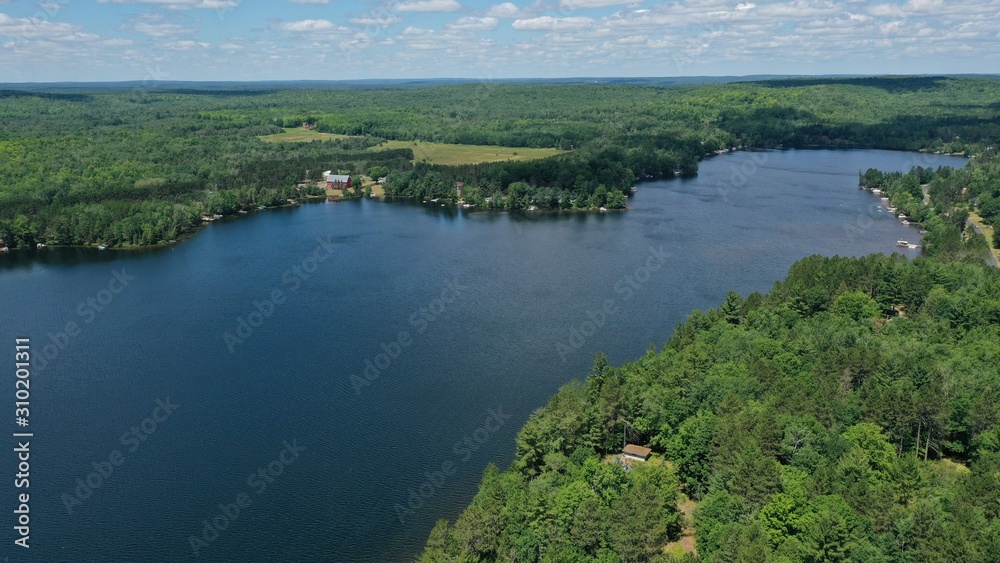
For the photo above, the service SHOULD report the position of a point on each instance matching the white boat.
(102, 247)
(885, 199)
(902, 216)
(902, 243)
(891, 209)
(912, 246)
(905, 222)
(877, 191)
(603, 209)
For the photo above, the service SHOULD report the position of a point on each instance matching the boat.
(902, 243)
(903, 216)
(905, 222)
(877, 191)
(885, 199)
(4, 249)
(913, 246)
(923, 231)
(603, 209)
(891, 209)
(102, 247)
(243, 212)
(40, 245)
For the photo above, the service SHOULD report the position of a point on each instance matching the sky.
(249, 40)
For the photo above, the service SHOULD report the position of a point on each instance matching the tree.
(827, 538)
(732, 308)
(855, 305)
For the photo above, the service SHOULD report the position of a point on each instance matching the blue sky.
(103, 40)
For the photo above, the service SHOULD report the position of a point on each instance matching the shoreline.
(456, 205)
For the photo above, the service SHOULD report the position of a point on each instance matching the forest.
(133, 167)
(850, 414)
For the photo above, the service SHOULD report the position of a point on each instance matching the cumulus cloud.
(311, 26)
(549, 23)
(428, 6)
(181, 4)
(474, 24)
(38, 28)
(380, 19)
(186, 45)
(505, 10)
(581, 4)
(156, 25)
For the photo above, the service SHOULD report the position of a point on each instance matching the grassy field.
(440, 153)
(434, 153)
(988, 233)
(299, 135)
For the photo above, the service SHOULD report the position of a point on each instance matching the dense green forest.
(851, 414)
(136, 167)
(941, 200)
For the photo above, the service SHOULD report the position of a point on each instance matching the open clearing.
(987, 231)
(299, 135)
(441, 153)
(432, 153)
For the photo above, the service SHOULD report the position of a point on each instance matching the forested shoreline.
(851, 414)
(134, 168)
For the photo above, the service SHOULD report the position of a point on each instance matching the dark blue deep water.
(488, 303)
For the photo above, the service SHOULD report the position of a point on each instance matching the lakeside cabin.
(637, 453)
(338, 181)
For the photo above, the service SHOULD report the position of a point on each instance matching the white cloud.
(186, 45)
(632, 40)
(181, 4)
(310, 26)
(581, 4)
(428, 6)
(30, 28)
(474, 24)
(309, 1)
(51, 6)
(505, 10)
(380, 19)
(549, 23)
(156, 25)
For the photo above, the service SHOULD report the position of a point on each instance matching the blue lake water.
(471, 319)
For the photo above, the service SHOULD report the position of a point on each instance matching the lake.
(326, 381)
